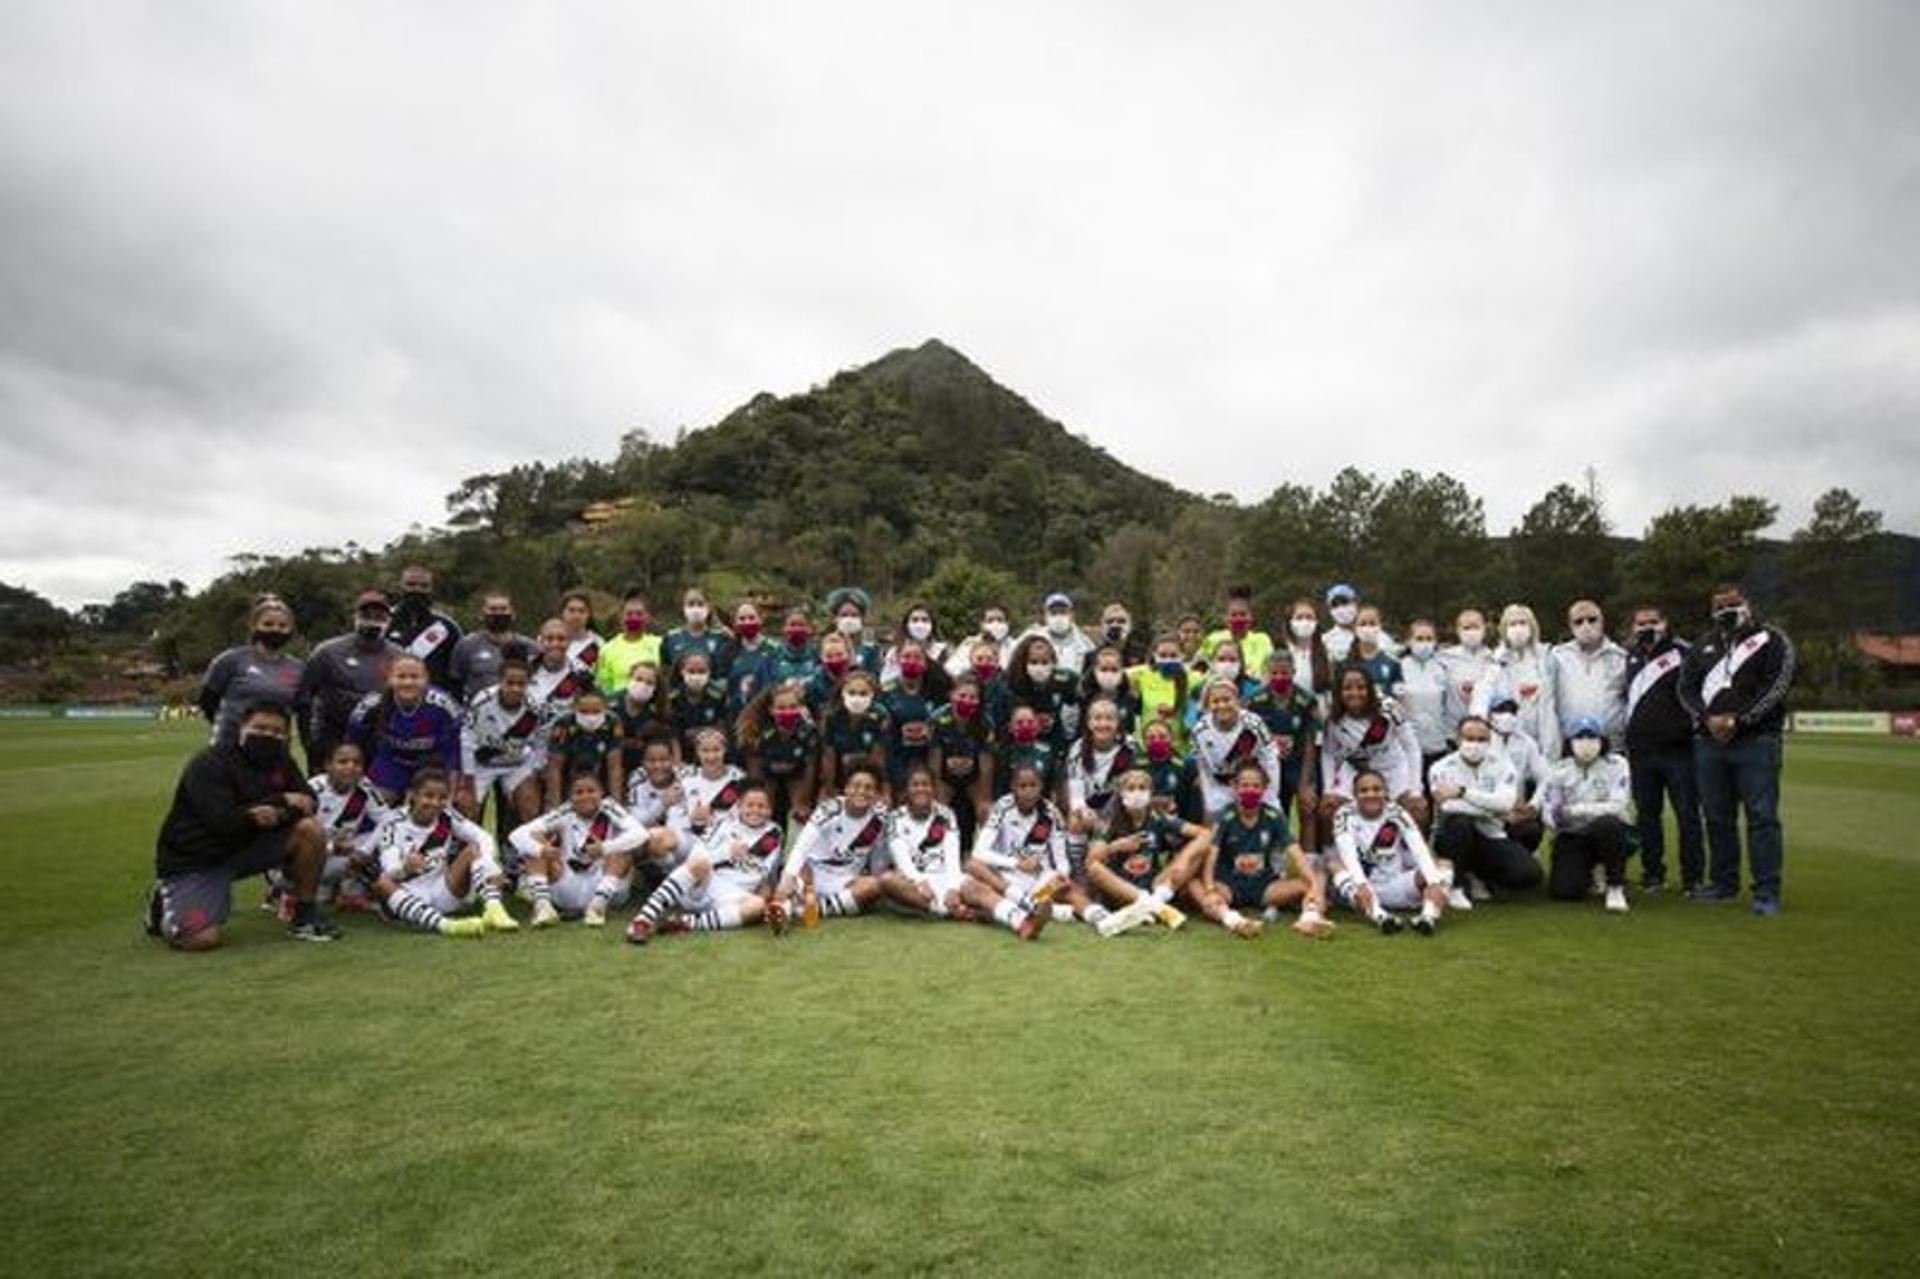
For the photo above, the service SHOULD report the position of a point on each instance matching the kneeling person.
(578, 859)
(239, 810)
(434, 863)
(1585, 803)
(1384, 865)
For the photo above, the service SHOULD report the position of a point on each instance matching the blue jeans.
(1746, 770)
(1668, 772)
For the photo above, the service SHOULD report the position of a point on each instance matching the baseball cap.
(1341, 591)
(371, 599)
(1583, 726)
(1059, 599)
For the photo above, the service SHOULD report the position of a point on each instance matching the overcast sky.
(279, 275)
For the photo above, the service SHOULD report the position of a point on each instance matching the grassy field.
(1541, 1089)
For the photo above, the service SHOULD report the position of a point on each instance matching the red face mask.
(965, 709)
(787, 716)
(836, 665)
(747, 628)
(1160, 748)
(1025, 732)
(1239, 626)
(1249, 796)
(1281, 684)
(913, 668)
(984, 671)
(634, 623)
(798, 636)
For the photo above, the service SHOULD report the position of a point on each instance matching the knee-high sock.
(412, 911)
(668, 897)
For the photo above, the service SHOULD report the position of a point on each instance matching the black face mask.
(370, 632)
(271, 639)
(1116, 631)
(1730, 619)
(265, 753)
(416, 601)
(1647, 636)
(498, 623)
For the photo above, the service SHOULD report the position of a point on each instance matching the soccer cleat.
(1248, 928)
(544, 915)
(640, 931)
(1766, 905)
(1045, 891)
(1131, 916)
(1425, 924)
(1617, 899)
(596, 914)
(1390, 924)
(1029, 928)
(1313, 924)
(779, 918)
(464, 926)
(318, 928)
(1712, 893)
(1457, 900)
(1477, 889)
(1171, 917)
(494, 916)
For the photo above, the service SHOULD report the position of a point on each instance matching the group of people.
(725, 773)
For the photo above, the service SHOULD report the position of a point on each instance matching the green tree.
(1837, 578)
(1561, 551)
(1427, 546)
(959, 588)
(1688, 550)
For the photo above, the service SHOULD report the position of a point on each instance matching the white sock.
(1062, 913)
(1162, 893)
(1097, 913)
(1429, 911)
(1005, 912)
(1232, 918)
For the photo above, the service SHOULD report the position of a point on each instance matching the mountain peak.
(933, 361)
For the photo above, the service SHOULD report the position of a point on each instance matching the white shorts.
(433, 890)
(834, 879)
(574, 889)
(1392, 889)
(508, 777)
(716, 893)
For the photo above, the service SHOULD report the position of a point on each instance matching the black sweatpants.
(1576, 852)
(1499, 862)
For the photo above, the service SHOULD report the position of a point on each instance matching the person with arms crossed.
(1660, 752)
(340, 672)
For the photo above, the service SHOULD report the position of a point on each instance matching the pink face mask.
(913, 667)
(1159, 749)
(1025, 732)
(1249, 796)
(787, 717)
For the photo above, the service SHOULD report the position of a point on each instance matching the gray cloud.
(278, 276)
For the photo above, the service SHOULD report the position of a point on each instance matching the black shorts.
(194, 900)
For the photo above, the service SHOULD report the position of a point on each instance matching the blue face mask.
(1168, 667)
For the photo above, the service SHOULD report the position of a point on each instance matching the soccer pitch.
(1539, 1089)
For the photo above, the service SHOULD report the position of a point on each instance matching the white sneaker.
(1476, 890)
(596, 914)
(1617, 900)
(543, 914)
(1458, 900)
(1132, 915)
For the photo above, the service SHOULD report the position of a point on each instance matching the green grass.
(1541, 1089)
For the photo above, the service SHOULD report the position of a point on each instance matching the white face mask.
(858, 704)
(696, 614)
(1107, 680)
(1586, 749)
(1368, 634)
(1588, 633)
(1518, 635)
(1472, 637)
(695, 681)
(920, 631)
(1473, 752)
(1227, 670)
(1040, 672)
(1343, 614)
(1422, 649)
(1303, 627)
(640, 691)
(1059, 623)
(1135, 800)
(1503, 722)
(592, 721)
(996, 630)
(849, 625)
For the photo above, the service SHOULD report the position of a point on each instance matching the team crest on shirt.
(1387, 836)
(1137, 864)
(1249, 864)
(1041, 831)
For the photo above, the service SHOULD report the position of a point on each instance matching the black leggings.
(1499, 861)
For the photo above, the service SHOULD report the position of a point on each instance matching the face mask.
(1587, 632)
(1368, 634)
(592, 721)
(1473, 752)
(1648, 636)
(1169, 666)
(787, 717)
(1422, 649)
(798, 636)
(913, 668)
(640, 690)
(965, 710)
(1303, 627)
(1343, 614)
(1159, 749)
(1040, 672)
(858, 704)
(984, 671)
(1472, 637)
(1025, 732)
(264, 752)
(1281, 684)
(497, 623)
(1586, 749)
(271, 639)
(1249, 796)
(1731, 619)
(1239, 626)
(370, 632)
(850, 625)
(1059, 623)
(836, 666)
(747, 628)
(696, 614)
(1135, 800)
(1503, 722)
(1116, 631)
(995, 630)
(1227, 670)
(1107, 680)
(419, 600)
(633, 623)
(696, 681)
(921, 631)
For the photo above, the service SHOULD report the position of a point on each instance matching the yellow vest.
(617, 657)
(1255, 649)
(1159, 694)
